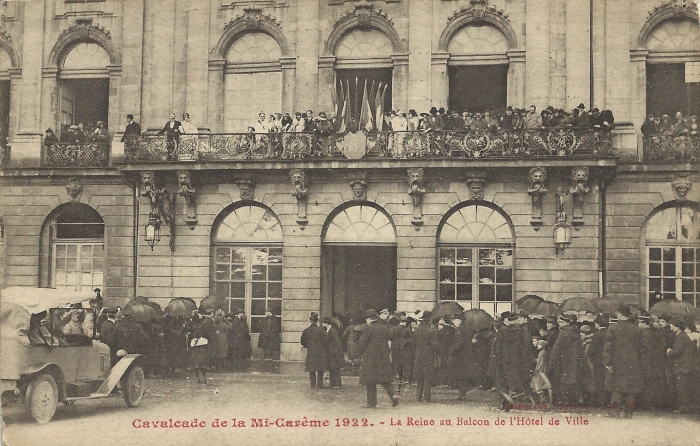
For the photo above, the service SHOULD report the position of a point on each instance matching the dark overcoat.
(683, 354)
(512, 357)
(652, 354)
(374, 348)
(270, 333)
(621, 351)
(595, 356)
(408, 351)
(239, 339)
(459, 354)
(334, 350)
(314, 339)
(426, 345)
(478, 362)
(566, 358)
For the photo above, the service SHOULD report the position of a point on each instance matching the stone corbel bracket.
(416, 190)
(681, 185)
(300, 191)
(537, 177)
(188, 192)
(358, 185)
(74, 188)
(578, 190)
(476, 183)
(246, 187)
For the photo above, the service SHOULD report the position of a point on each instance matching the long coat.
(270, 334)
(373, 346)
(682, 354)
(652, 354)
(239, 339)
(334, 350)
(426, 344)
(512, 357)
(219, 348)
(314, 339)
(595, 356)
(621, 351)
(566, 358)
(459, 353)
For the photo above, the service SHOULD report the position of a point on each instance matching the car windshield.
(62, 327)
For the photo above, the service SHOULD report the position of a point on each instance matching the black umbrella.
(143, 312)
(529, 302)
(139, 300)
(477, 319)
(579, 304)
(180, 307)
(675, 308)
(214, 303)
(448, 308)
(546, 308)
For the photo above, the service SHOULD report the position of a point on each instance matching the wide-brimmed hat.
(427, 316)
(371, 313)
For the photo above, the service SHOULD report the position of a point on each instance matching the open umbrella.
(214, 303)
(529, 302)
(139, 300)
(675, 308)
(579, 305)
(546, 308)
(477, 319)
(180, 307)
(447, 308)
(607, 305)
(143, 312)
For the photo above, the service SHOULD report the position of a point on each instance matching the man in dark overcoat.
(395, 336)
(621, 359)
(239, 342)
(313, 338)
(374, 349)
(426, 348)
(408, 351)
(459, 354)
(335, 359)
(129, 335)
(595, 356)
(445, 332)
(566, 361)
(269, 339)
(683, 357)
(512, 358)
(652, 360)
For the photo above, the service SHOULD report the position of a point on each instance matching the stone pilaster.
(326, 83)
(440, 79)
(15, 83)
(197, 56)
(32, 63)
(537, 47)
(307, 51)
(289, 68)
(516, 78)
(399, 81)
(420, 54)
(638, 92)
(215, 102)
(577, 53)
(557, 53)
(132, 65)
(617, 70)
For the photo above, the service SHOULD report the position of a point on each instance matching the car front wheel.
(43, 398)
(133, 386)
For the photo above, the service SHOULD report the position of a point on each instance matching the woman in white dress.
(399, 125)
(187, 125)
(298, 124)
(260, 125)
(188, 141)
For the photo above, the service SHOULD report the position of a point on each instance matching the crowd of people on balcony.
(79, 134)
(664, 125)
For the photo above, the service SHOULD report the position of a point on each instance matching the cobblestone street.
(273, 400)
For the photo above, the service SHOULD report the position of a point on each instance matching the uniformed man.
(75, 325)
(128, 335)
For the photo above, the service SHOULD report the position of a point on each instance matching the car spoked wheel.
(43, 398)
(133, 386)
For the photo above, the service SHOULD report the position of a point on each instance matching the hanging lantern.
(152, 230)
(562, 233)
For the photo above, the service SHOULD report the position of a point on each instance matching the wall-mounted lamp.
(562, 228)
(152, 230)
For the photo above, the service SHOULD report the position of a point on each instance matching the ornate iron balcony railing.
(682, 148)
(63, 154)
(383, 145)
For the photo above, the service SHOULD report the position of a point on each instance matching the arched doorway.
(246, 259)
(476, 247)
(673, 68)
(673, 253)
(478, 69)
(72, 249)
(253, 80)
(358, 266)
(84, 87)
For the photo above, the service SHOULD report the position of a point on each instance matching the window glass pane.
(464, 292)
(447, 256)
(487, 275)
(662, 226)
(259, 290)
(669, 285)
(259, 273)
(235, 304)
(275, 305)
(238, 290)
(447, 274)
(256, 324)
(669, 254)
(688, 255)
(464, 257)
(274, 272)
(222, 289)
(72, 250)
(464, 274)
(654, 253)
(238, 273)
(85, 263)
(274, 290)
(223, 255)
(504, 293)
(504, 275)
(669, 269)
(257, 307)
(688, 286)
(654, 269)
(72, 264)
(487, 293)
(688, 269)
(239, 256)
(98, 262)
(447, 292)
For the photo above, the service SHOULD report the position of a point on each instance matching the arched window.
(475, 258)
(673, 81)
(478, 69)
(77, 248)
(84, 86)
(360, 225)
(247, 262)
(673, 249)
(253, 80)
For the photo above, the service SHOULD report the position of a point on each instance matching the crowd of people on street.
(679, 125)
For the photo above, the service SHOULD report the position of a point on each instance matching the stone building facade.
(296, 228)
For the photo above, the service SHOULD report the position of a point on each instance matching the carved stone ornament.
(478, 8)
(364, 12)
(416, 190)
(188, 192)
(300, 192)
(578, 190)
(681, 186)
(537, 177)
(359, 190)
(476, 184)
(678, 7)
(247, 189)
(253, 18)
(74, 188)
(85, 26)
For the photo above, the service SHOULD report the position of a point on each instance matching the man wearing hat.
(652, 360)
(107, 327)
(335, 359)
(240, 349)
(132, 127)
(621, 359)
(408, 350)
(682, 356)
(513, 359)
(426, 343)
(313, 338)
(459, 353)
(566, 361)
(129, 335)
(395, 337)
(374, 349)
(595, 356)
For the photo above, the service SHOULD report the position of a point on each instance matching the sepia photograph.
(350, 222)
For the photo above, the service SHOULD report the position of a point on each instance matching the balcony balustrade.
(61, 154)
(673, 148)
(523, 144)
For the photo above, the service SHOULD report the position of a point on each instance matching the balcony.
(435, 145)
(672, 148)
(62, 154)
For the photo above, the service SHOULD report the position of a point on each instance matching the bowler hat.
(427, 315)
(111, 310)
(327, 320)
(371, 313)
(127, 312)
(570, 318)
(625, 310)
(313, 317)
(129, 116)
(458, 316)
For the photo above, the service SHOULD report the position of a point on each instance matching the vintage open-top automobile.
(49, 353)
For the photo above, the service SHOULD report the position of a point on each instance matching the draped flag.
(379, 106)
(341, 118)
(365, 112)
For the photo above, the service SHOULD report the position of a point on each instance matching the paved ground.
(277, 398)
